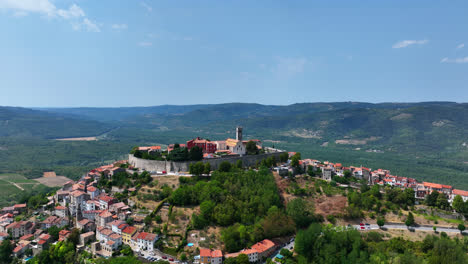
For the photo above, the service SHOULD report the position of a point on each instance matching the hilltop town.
(104, 213)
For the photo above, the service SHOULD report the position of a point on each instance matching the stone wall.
(172, 166)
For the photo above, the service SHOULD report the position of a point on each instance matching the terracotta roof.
(105, 213)
(106, 232)
(205, 252)
(115, 236)
(45, 236)
(248, 251)
(77, 193)
(18, 248)
(26, 237)
(129, 230)
(263, 246)
(432, 185)
(110, 242)
(42, 242)
(88, 234)
(217, 254)
(92, 189)
(3, 234)
(60, 207)
(19, 206)
(147, 236)
(106, 198)
(460, 192)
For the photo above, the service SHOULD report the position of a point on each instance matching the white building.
(145, 241)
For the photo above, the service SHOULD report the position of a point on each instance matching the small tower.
(239, 133)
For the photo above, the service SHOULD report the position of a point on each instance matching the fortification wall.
(172, 166)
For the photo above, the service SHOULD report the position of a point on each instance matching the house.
(208, 256)
(3, 236)
(46, 237)
(20, 249)
(455, 192)
(264, 248)
(118, 207)
(54, 221)
(64, 234)
(206, 145)
(20, 207)
(105, 201)
(91, 214)
(92, 205)
(93, 192)
(145, 241)
(127, 234)
(251, 253)
(150, 149)
(86, 237)
(61, 211)
(86, 225)
(103, 218)
(117, 239)
(117, 226)
(21, 228)
(102, 233)
(171, 147)
(327, 173)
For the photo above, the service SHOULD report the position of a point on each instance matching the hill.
(27, 123)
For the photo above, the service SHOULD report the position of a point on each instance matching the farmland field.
(14, 186)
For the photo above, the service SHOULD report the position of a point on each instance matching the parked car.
(363, 228)
(361, 224)
(164, 257)
(171, 259)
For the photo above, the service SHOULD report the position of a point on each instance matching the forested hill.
(18, 122)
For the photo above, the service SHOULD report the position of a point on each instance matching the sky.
(111, 53)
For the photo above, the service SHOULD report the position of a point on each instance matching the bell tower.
(239, 133)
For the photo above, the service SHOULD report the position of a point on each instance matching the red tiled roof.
(263, 245)
(60, 207)
(432, 185)
(106, 198)
(26, 237)
(92, 189)
(460, 192)
(19, 206)
(42, 242)
(105, 213)
(129, 230)
(205, 252)
(115, 236)
(217, 254)
(146, 236)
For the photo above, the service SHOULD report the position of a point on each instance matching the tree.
(458, 204)
(74, 237)
(243, 259)
(207, 169)
(196, 153)
(381, 222)
(434, 228)
(5, 251)
(225, 166)
(409, 220)
(239, 164)
(197, 169)
(297, 209)
(461, 227)
(284, 157)
(431, 199)
(251, 148)
(347, 174)
(442, 202)
(54, 232)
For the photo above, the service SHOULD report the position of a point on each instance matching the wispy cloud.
(145, 44)
(74, 13)
(456, 60)
(461, 46)
(146, 6)
(406, 43)
(288, 67)
(119, 26)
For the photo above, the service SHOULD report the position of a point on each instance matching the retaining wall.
(173, 166)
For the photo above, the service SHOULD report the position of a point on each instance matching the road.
(420, 228)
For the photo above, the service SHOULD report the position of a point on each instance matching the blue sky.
(141, 53)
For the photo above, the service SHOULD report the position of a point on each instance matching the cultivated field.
(13, 186)
(57, 181)
(78, 139)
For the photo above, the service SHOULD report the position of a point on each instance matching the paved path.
(19, 187)
(420, 228)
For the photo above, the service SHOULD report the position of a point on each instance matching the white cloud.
(119, 26)
(30, 6)
(288, 67)
(73, 12)
(406, 43)
(45, 7)
(90, 26)
(145, 44)
(461, 46)
(146, 6)
(456, 60)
